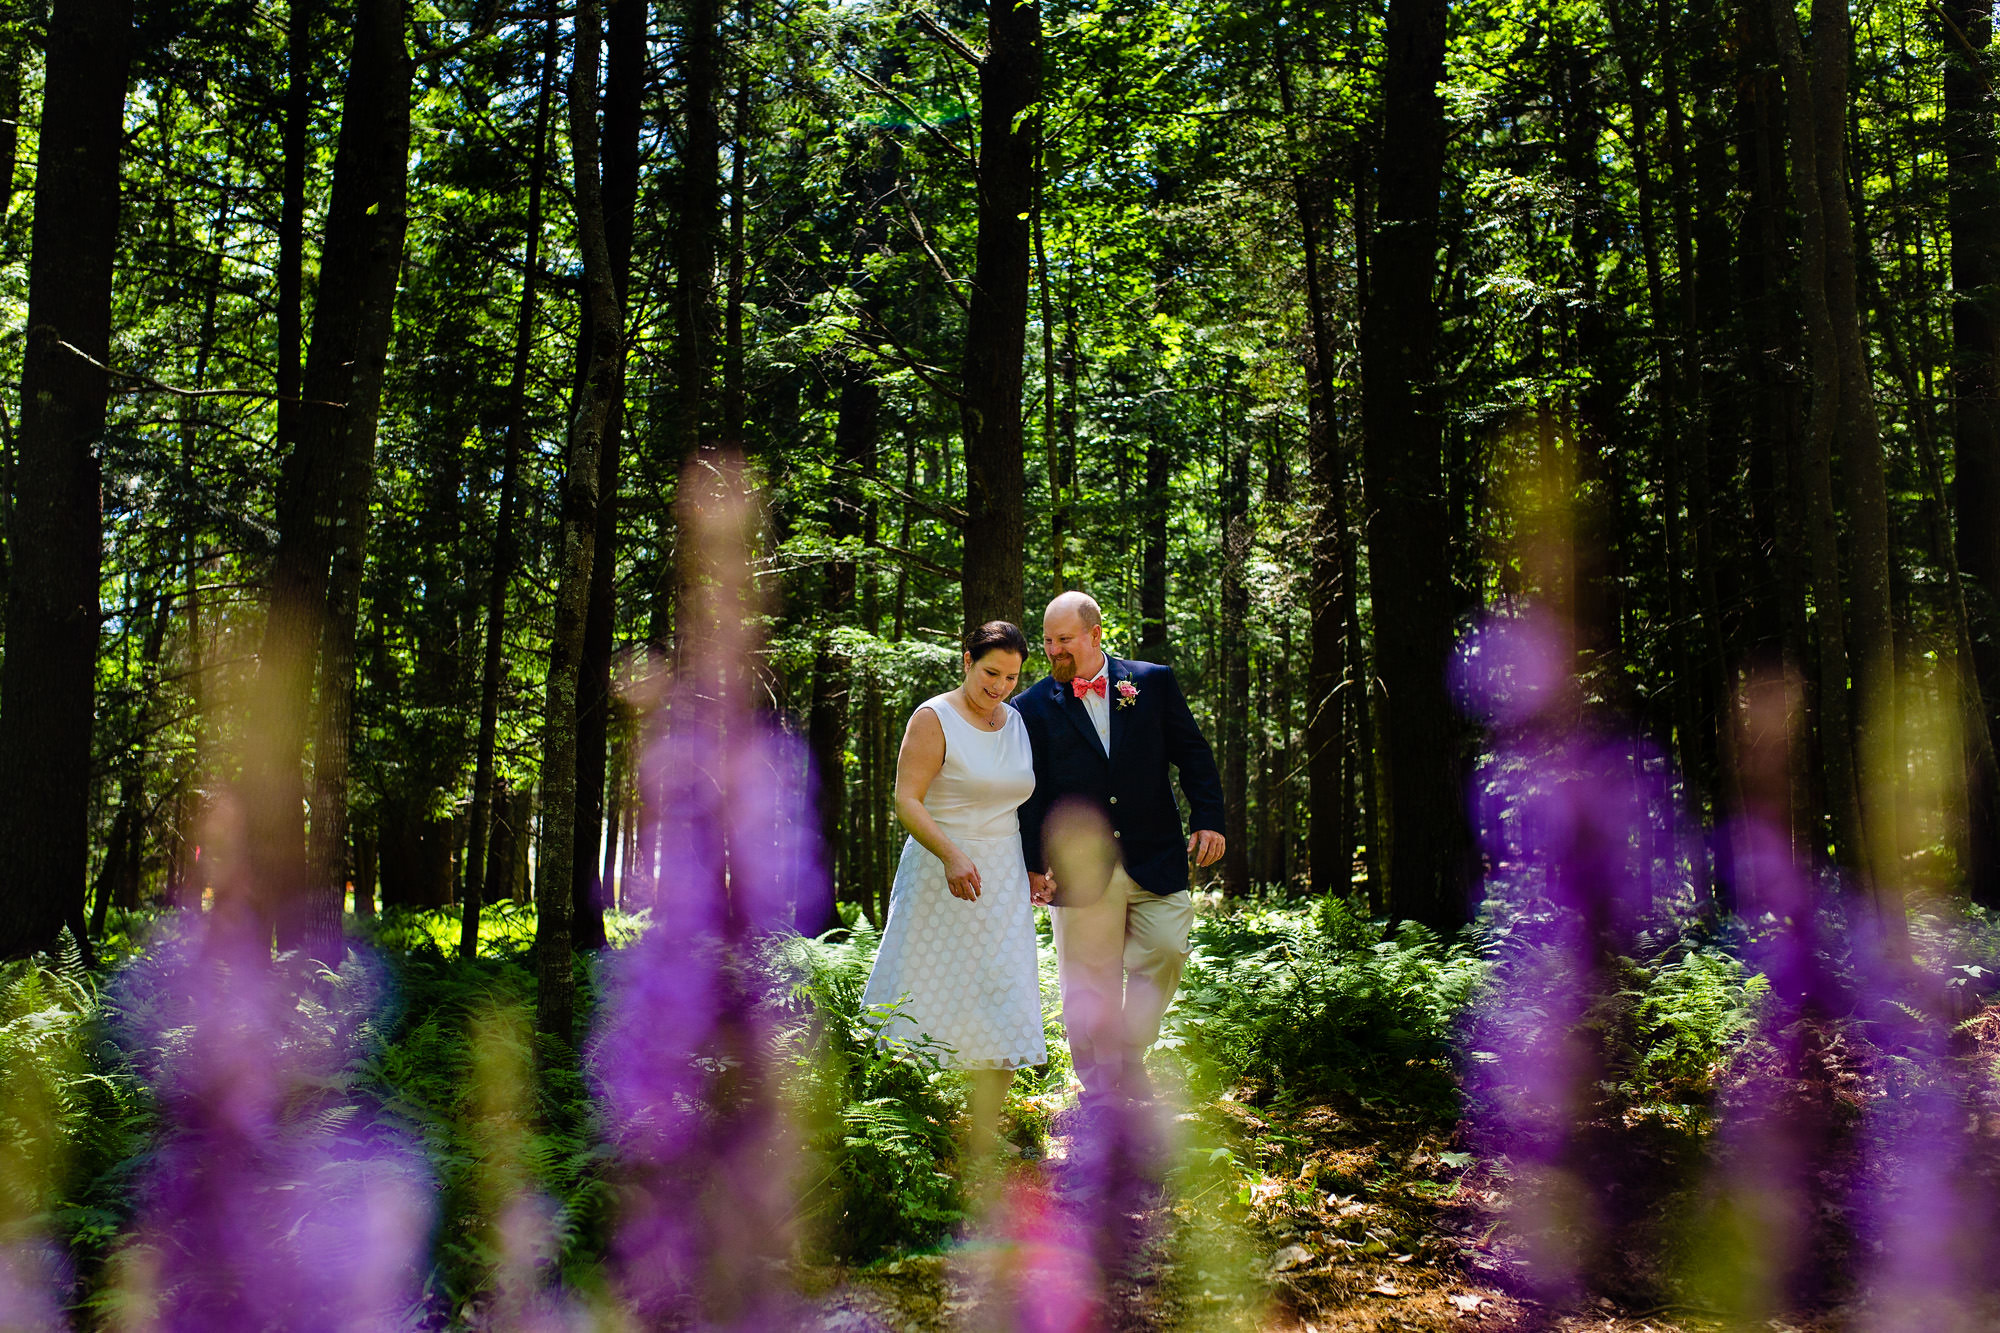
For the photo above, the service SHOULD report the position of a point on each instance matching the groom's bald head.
(1073, 636)
(1079, 604)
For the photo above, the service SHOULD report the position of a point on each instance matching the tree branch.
(916, 117)
(146, 384)
(916, 229)
(948, 39)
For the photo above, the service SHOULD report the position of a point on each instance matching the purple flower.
(277, 1197)
(681, 1057)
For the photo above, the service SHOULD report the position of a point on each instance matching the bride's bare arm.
(917, 765)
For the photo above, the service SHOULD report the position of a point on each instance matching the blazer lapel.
(1114, 672)
(1072, 708)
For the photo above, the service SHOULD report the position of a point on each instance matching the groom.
(1104, 731)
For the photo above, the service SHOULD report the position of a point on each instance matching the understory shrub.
(1324, 1000)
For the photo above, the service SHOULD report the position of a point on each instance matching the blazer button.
(1114, 800)
(1116, 834)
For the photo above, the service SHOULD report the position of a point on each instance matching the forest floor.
(1302, 1220)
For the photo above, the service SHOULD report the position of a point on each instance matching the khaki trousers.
(1118, 961)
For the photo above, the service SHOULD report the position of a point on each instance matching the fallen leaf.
(1384, 1289)
(1292, 1256)
(1467, 1303)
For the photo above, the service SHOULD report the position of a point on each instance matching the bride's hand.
(962, 877)
(1041, 889)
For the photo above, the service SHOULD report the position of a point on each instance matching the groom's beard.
(1063, 669)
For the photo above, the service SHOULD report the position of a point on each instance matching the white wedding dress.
(964, 972)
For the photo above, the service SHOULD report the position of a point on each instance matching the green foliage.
(73, 1119)
(879, 1140)
(1322, 1000)
(462, 1068)
(1688, 1016)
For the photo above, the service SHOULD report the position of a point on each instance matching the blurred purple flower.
(30, 1275)
(277, 1198)
(1509, 669)
(681, 1056)
(1585, 850)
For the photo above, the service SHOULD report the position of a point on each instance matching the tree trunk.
(367, 858)
(352, 321)
(996, 327)
(1236, 540)
(699, 220)
(13, 56)
(1777, 467)
(734, 406)
(118, 877)
(1836, 732)
(857, 421)
(1860, 448)
(292, 221)
(1706, 686)
(506, 542)
(1154, 644)
(1409, 529)
(1329, 828)
(555, 999)
(1973, 213)
(623, 115)
(1052, 454)
(47, 674)
(329, 845)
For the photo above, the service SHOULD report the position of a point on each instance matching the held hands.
(1206, 846)
(1041, 888)
(962, 877)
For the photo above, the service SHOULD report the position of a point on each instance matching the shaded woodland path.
(1397, 1243)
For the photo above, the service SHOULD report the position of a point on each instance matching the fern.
(879, 1143)
(1326, 1002)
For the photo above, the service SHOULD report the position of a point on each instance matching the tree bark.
(1835, 729)
(292, 220)
(1777, 468)
(857, 431)
(856, 424)
(1859, 440)
(1154, 644)
(13, 56)
(996, 327)
(352, 321)
(699, 220)
(1236, 540)
(625, 80)
(1329, 827)
(47, 674)
(1409, 528)
(119, 873)
(329, 845)
(555, 998)
(506, 543)
(1972, 210)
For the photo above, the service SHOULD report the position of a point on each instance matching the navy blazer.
(1129, 787)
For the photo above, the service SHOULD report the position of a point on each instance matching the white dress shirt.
(1099, 707)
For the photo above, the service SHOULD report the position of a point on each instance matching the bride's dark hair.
(996, 634)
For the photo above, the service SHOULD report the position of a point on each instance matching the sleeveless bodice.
(986, 775)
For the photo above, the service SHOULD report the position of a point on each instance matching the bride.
(958, 949)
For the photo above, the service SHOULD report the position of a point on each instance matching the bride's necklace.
(997, 720)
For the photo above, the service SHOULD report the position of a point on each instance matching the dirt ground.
(1316, 1221)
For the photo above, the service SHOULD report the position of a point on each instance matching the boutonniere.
(1128, 694)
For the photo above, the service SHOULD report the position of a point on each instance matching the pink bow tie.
(1084, 688)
